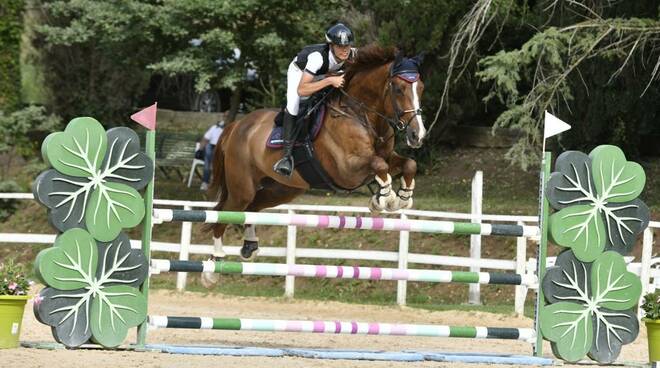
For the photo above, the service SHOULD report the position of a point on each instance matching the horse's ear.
(398, 58)
(419, 59)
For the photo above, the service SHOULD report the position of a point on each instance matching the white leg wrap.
(250, 233)
(210, 279)
(217, 248)
(404, 194)
(385, 198)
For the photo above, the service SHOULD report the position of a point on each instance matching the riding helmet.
(340, 35)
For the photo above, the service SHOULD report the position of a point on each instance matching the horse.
(355, 144)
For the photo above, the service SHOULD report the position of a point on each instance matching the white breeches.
(293, 76)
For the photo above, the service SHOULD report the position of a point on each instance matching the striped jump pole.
(338, 327)
(342, 272)
(342, 222)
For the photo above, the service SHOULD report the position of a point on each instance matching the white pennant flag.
(553, 126)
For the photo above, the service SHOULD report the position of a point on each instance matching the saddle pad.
(275, 139)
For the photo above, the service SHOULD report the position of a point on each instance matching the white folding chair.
(194, 165)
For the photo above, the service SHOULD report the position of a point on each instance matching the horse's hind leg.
(240, 192)
(270, 195)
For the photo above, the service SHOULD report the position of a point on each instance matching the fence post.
(290, 281)
(475, 240)
(645, 271)
(521, 266)
(401, 285)
(186, 234)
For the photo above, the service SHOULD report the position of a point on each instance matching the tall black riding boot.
(285, 165)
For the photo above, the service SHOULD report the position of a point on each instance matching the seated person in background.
(206, 147)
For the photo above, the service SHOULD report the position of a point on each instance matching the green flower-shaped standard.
(593, 307)
(596, 196)
(92, 291)
(95, 178)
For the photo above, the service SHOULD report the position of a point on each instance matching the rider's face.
(341, 52)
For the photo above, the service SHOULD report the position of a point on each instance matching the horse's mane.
(369, 57)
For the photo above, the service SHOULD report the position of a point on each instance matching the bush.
(8, 206)
(19, 131)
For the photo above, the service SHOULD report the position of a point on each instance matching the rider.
(310, 63)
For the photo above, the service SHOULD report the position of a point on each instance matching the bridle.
(400, 125)
(397, 123)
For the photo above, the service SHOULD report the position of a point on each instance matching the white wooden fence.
(648, 269)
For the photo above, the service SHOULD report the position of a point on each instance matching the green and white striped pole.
(342, 272)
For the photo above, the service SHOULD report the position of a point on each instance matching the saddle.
(313, 125)
(312, 113)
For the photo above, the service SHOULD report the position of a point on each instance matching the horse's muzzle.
(413, 139)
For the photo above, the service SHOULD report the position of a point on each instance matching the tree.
(595, 63)
(95, 53)
(218, 41)
(11, 26)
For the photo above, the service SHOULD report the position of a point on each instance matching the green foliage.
(17, 131)
(13, 279)
(578, 69)
(208, 35)
(94, 55)
(651, 305)
(11, 26)
(8, 206)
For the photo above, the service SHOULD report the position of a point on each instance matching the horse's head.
(405, 89)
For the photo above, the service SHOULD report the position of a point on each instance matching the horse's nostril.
(414, 136)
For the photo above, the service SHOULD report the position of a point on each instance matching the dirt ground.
(162, 302)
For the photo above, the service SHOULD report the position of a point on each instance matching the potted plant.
(651, 308)
(14, 287)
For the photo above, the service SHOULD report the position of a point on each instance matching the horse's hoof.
(407, 204)
(373, 207)
(210, 279)
(249, 250)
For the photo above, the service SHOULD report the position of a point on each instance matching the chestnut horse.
(355, 143)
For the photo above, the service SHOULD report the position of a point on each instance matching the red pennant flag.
(146, 117)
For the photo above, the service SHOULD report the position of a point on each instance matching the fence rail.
(648, 268)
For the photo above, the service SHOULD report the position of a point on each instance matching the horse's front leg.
(385, 197)
(408, 167)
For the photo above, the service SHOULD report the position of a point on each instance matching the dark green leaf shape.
(624, 223)
(613, 330)
(92, 288)
(67, 312)
(590, 302)
(121, 264)
(596, 199)
(51, 188)
(133, 167)
(569, 181)
(95, 178)
(566, 271)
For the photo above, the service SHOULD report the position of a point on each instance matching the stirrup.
(284, 166)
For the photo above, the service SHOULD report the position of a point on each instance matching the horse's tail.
(218, 185)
